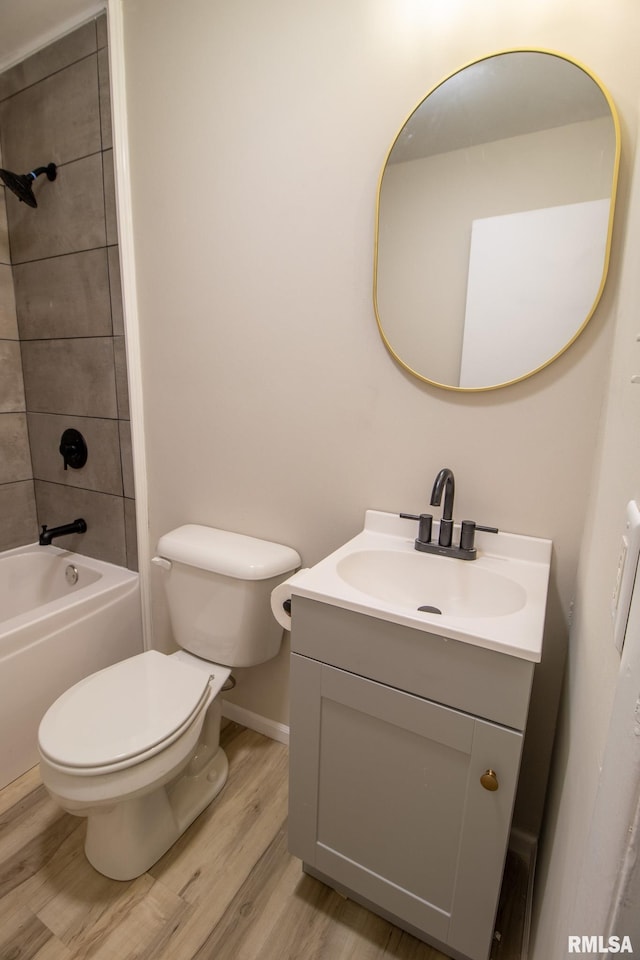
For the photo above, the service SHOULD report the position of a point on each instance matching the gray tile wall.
(17, 496)
(62, 351)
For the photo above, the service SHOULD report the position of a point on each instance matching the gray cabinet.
(386, 800)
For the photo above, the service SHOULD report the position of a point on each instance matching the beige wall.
(257, 133)
(570, 899)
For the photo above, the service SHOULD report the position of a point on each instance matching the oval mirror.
(494, 218)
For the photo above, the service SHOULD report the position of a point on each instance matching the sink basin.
(431, 584)
(497, 601)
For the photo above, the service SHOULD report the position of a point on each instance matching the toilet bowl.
(135, 747)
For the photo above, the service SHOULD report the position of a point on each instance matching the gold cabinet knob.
(489, 780)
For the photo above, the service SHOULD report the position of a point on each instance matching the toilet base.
(125, 839)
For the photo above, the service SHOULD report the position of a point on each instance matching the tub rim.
(113, 579)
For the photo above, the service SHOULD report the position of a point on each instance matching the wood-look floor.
(227, 889)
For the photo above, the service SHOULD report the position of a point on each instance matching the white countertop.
(518, 563)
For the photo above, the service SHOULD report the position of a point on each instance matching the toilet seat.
(124, 714)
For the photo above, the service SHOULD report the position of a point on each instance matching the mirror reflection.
(495, 209)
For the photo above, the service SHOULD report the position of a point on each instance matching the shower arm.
(50, 171)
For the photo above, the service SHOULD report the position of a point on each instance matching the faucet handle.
(468, 532)
(425, 521)
(73, 449)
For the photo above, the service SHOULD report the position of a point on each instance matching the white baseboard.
(269, 728)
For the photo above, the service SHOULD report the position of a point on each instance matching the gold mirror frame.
(615, 170)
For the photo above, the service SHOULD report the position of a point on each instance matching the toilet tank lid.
(230, 554)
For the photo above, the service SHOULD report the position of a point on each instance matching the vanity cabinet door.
(386, 801)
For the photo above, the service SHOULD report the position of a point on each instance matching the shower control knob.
(489, 780)
(73, 449)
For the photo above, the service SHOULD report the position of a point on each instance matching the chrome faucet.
(445, 481)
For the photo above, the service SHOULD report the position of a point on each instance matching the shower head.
(22, 183)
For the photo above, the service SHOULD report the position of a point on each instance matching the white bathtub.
(53, 633)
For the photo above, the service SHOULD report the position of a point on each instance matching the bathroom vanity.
(407, 726)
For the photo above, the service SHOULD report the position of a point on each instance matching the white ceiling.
(27, 25)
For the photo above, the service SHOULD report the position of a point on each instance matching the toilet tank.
(218, 587)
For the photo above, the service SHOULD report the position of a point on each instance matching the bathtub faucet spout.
(46, 536)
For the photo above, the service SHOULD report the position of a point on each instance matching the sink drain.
(427, 608)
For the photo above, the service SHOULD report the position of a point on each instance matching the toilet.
(135, 747)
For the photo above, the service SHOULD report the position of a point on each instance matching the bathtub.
(62, 617)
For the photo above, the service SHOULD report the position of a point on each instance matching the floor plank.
(227, 890)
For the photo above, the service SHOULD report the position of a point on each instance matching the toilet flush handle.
(162, 562)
